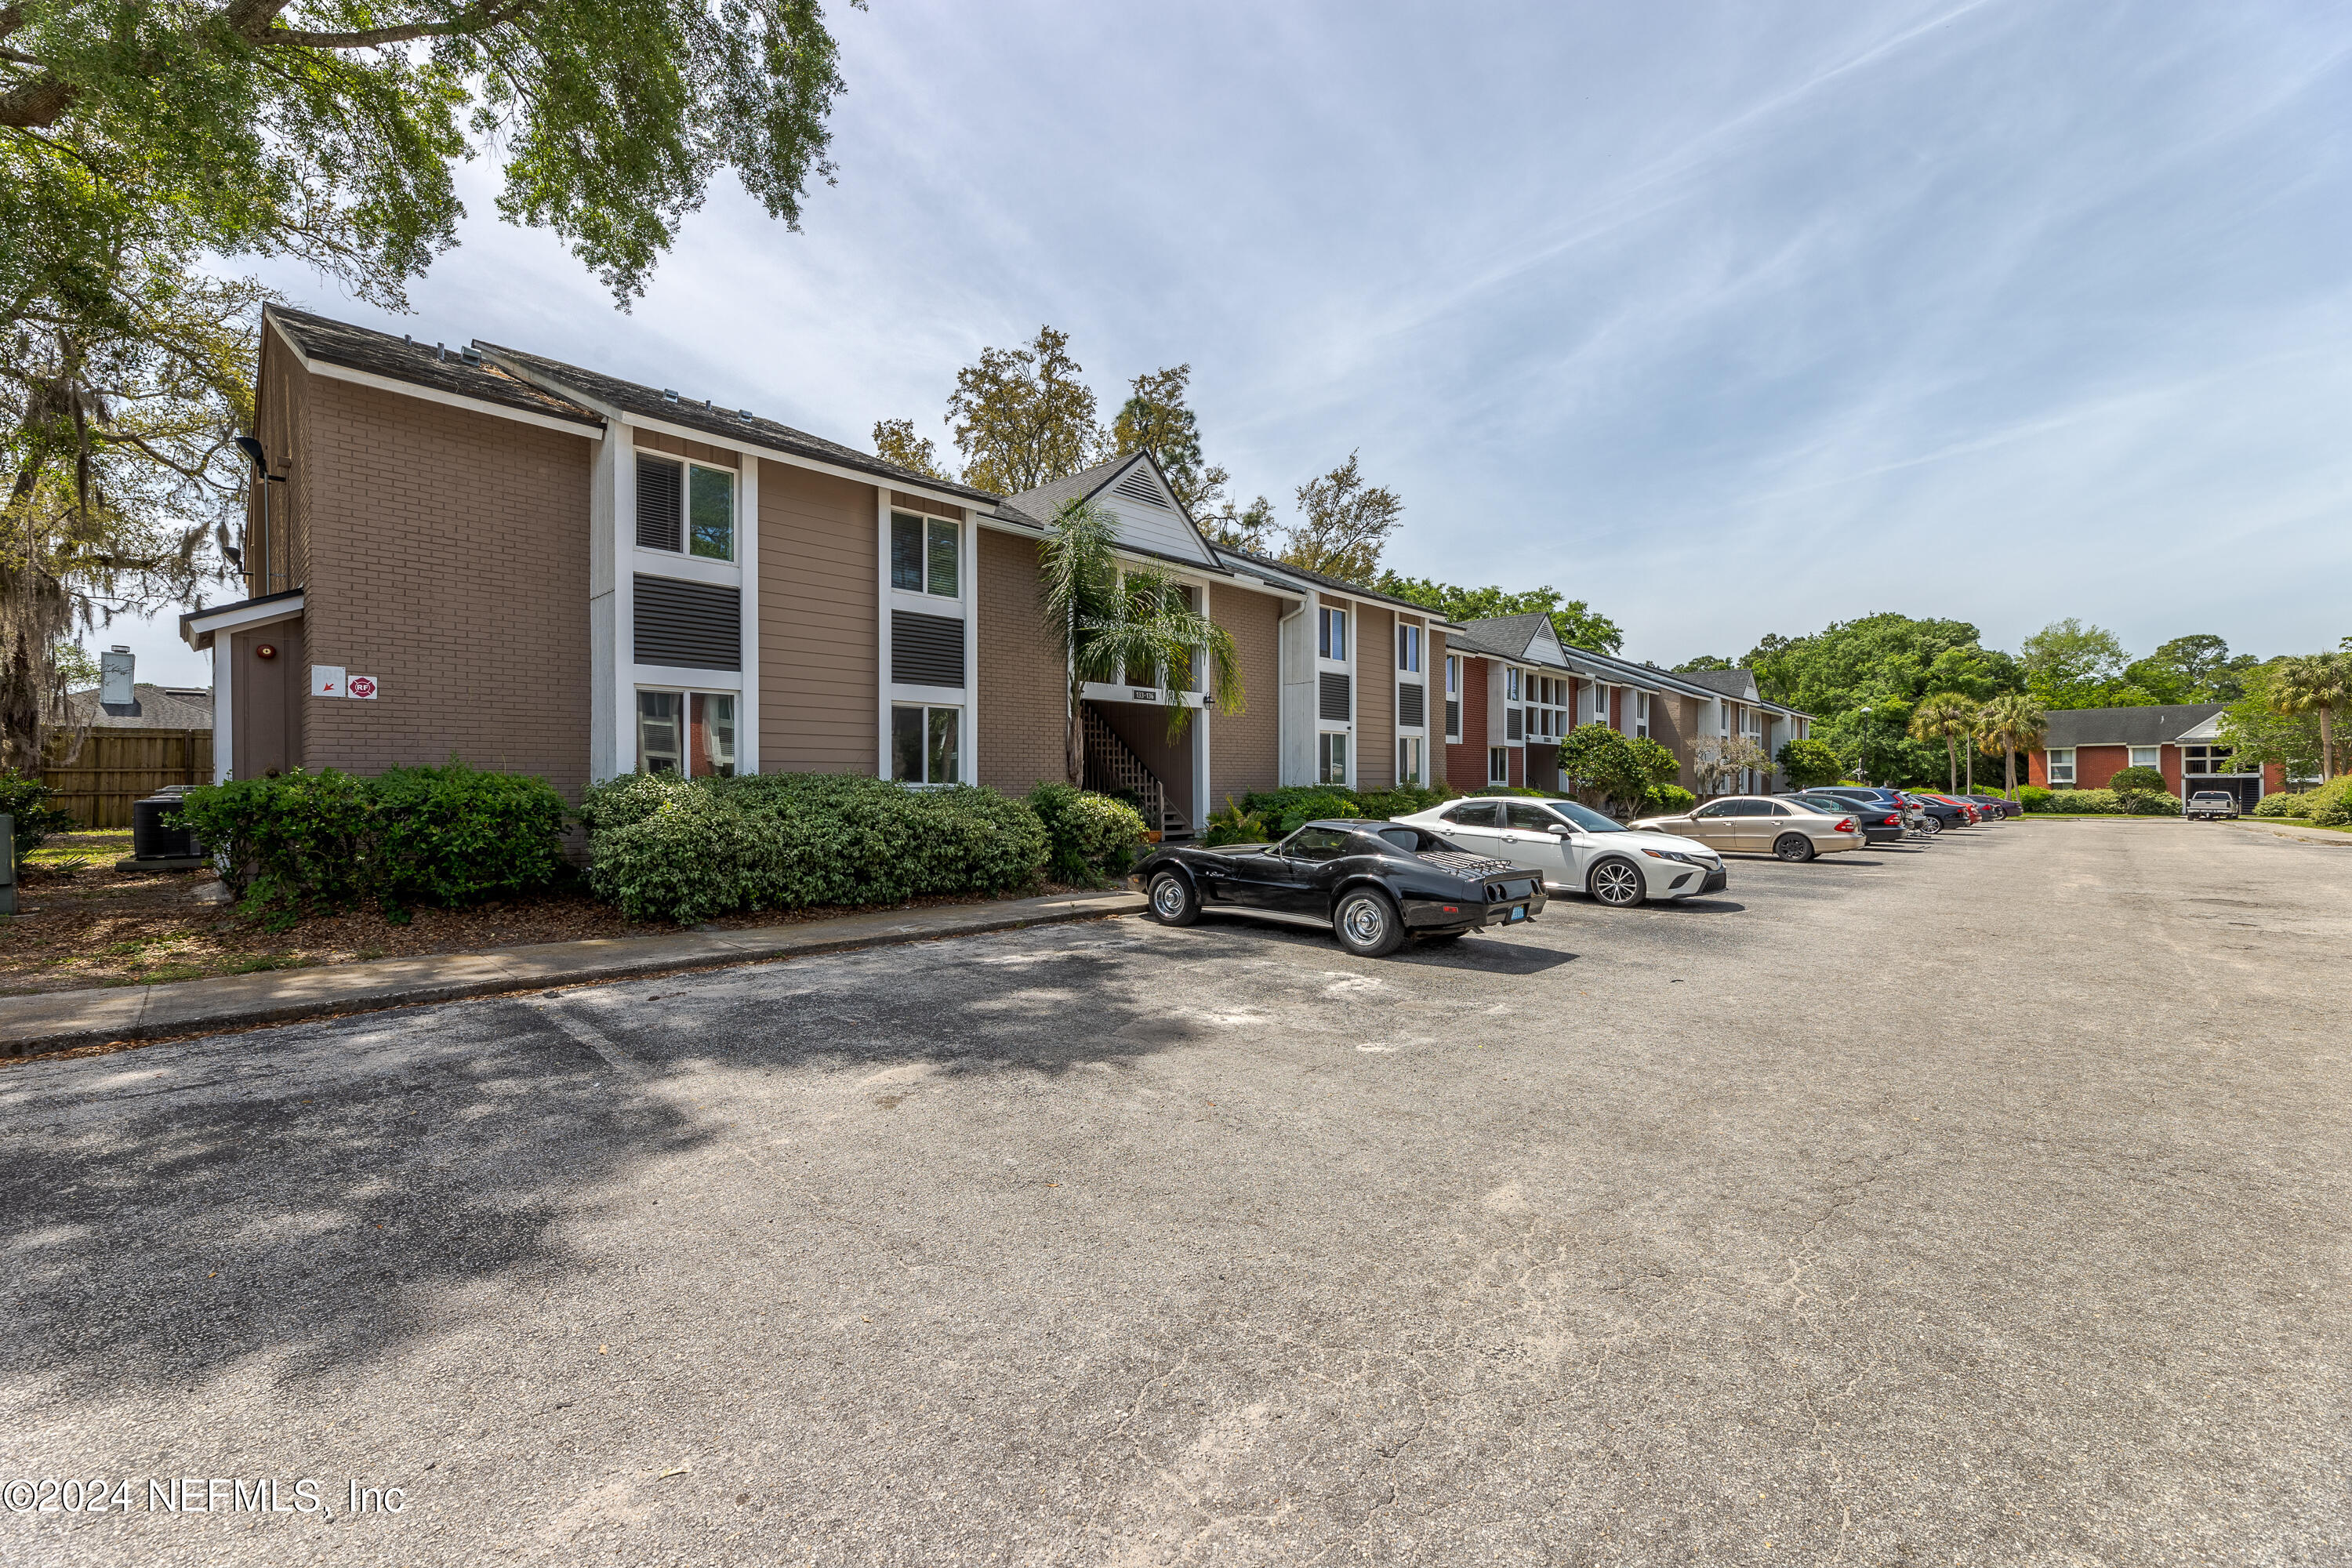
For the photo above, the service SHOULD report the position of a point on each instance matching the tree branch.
(474, 19)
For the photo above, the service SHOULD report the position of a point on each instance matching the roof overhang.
(198, 628)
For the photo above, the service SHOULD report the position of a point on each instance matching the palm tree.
(2314, 682)
(1110, 620)
(2013, 722)
(1951, 717)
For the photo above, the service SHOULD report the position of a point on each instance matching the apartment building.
(485, 552)
(2086, 748)
(1514, 690)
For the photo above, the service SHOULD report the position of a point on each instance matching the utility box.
(7, 864)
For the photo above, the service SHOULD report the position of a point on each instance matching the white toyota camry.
(1578, 849)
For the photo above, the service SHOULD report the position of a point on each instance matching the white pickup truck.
(2209, 804)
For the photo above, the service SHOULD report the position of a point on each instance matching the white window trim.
(926, 603)
(963, 737)
(889, 693)
(649, 681)
(711, 568)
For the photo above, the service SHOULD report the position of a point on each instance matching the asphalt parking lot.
(1980, 1204)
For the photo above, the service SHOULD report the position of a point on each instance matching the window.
(2062, 764)
(1527, 817)
(1498, 764)
(1409, 761)
(1316, 844)
(1333, 749)
(1510, 686)
(1642, 714)
(2207, 760)
(686, 732)
(925, 554)
(1331, 632)
(1408, 649)
(924, 744)
(2147, 756)
(1477, 814)
(686, 507)
(1453, 675)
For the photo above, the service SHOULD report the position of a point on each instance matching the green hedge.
(2034, 798)
(2329, 805)
(1088, 837)
(1284, 811)
(2101, 802)
(306, 842)
(668, 849)
(2280, 804)
(1667, 800)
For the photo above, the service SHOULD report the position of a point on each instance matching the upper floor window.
(925, 555)
(1331, 632)
(686, 507)
(1511, 685)
(1642, 714)
(1408, 649)
(1453, 675)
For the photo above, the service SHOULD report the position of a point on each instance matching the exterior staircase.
(1112, 767)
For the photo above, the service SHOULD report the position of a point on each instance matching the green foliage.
(1088, 837)
(1704, 662)
(2259, 732)
(2084, 802)
(1022, 416)
(1344, 523)
(2279, 803)
(305, 842)
(1809, 763)
(1156, 418)
(1669, 800)
(2100, 801)
(1595, 759)
(1514, 792)
(2158, 802)
(1880, 657)
(1576, 622)
(27, 799)
(2329, 805)
(897, 441)
(2034, 798)
(1235, 824)
(2136, 780)
(2194, 668)
(662, 847)
(2070, 665)
(1285, 810)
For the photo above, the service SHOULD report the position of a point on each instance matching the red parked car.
(1971, 812)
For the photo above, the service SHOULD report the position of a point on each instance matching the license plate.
(1516, 915)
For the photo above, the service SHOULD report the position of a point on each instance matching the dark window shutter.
(660, 504)
(1409, 704)
(925, 650)
(695, 625)
(1454, 716)
(1513, 725)
(1333, 703)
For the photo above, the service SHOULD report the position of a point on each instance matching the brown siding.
(449, 559)
(819, 622)
(1023, 719)
(1144, 727)
(929, 508)
(281, 416)
(1245, 748)
(680, 447)
(1376, 698)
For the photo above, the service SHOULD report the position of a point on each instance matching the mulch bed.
(90, 925)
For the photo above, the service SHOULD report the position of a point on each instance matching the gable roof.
(1132, 488)
(1736, 684)
(429, 365)
(150, 707)
(1299, 577)
(727, 424)
(2127, 726)
(1509, 636)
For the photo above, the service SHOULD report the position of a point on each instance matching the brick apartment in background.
(2086, 748)
(533, 566)
(1513, 689)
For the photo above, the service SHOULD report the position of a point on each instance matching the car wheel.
(1367, 924)
(1618, 883)
(1935, 825)
(1173, 901)
(1794, 847)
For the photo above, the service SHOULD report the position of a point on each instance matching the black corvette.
(1376, 882)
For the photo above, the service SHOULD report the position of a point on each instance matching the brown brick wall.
(820, 623)
(1021, 721)
(1245, 748)
(448, 559)
(1375, 698)
(1466, 764)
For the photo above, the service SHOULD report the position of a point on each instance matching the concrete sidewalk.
(59, 1020)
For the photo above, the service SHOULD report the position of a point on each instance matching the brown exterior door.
(267, 681)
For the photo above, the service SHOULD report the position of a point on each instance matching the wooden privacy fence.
(98, 781)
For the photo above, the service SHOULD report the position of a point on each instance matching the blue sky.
(1731, 320)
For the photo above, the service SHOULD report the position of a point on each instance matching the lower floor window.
(924, 744)
(1408, 760)
(2062, 764)
(1498, 764)
(1333, 760)
(688, 733)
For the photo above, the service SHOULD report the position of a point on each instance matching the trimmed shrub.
(2280, 804)
(684, 849)
(1088, 837)
(1402, 801)
(2080, 802)
(2138, 781)
(1515, 792)
(2331, 804)
(1807, 763)
(27, 800)
(2147, 803)
(1667, 800)
(2034, 798)
(452, 835)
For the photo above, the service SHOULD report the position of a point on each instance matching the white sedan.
(1578, 849)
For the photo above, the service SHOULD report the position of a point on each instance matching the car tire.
(1935, 825)
(1172, 900)
(1367, 924)
(1617, 883)
(1794, 847)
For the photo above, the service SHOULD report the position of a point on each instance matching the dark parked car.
(1880, 821)
(1938, 813)
(1994, 805)
(1376, 882)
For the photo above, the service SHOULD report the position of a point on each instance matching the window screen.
(906, 552)
(660, 503)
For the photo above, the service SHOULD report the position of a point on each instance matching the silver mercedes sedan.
(1757, 825)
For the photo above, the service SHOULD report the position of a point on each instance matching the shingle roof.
(726, 423)
(1039, 505)
(2127, 726)
(150, 708)
(420, 364)
(1724, 682)
(1257, 562)
(1504, 637)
